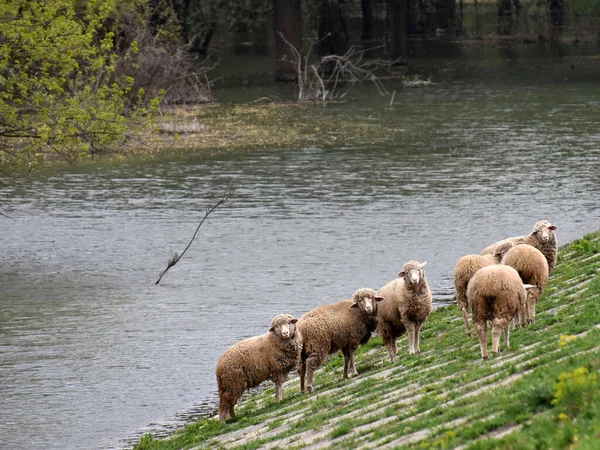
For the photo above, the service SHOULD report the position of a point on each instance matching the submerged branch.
(224, 199)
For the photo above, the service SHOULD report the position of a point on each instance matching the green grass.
(546, 385)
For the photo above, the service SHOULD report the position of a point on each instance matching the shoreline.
(445, 397)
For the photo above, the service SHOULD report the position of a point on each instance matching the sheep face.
(284, 326)
(544, 230)
(366, 300)
(501, 250)
(413, 273)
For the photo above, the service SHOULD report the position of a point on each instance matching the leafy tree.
(59, 88)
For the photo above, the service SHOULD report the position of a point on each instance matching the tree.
(287, 23)
(59, 91)
(398, 46)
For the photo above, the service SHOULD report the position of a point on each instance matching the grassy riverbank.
(543, 392)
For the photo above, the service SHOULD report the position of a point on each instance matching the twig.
(392, 100)
(226, 197)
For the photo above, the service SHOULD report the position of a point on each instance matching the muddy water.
(92, 353)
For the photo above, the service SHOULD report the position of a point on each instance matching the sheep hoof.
(309, 389)
(484, 357)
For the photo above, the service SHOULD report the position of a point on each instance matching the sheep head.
(413, 273)
(502, 249)
(366, 300)
(544, 231)
(284, 326)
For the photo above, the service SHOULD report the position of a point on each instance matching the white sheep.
(338, 326)
(542, 237)
(495, 293)
(407, 305)
(248, 363)
(532, 267)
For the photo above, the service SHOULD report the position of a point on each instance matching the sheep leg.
(312, 362)
(353, 372)
(466, 320)
(416, 340)
(506, 336)
(226, 404)
(496, 330)
(481, 328)
(410, 328)
(279, 387)
(301, 373)
(392, 348)
(346, 361)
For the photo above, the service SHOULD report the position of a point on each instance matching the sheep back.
(495, 293)
(329, 328)
(465, 268)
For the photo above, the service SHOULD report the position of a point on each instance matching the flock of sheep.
(502, 283)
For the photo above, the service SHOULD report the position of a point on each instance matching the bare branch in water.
(224, 199)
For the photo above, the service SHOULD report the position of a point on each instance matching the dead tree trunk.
(288, 22)
(399, 35)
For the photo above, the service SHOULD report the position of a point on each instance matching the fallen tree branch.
(224, 199)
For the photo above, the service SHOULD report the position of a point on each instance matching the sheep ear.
(379, 299)
(553, 227)
(354, 305)
(422, 265)
(272, 329)
(401, 274)
(293, 320)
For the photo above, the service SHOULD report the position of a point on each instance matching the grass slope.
(543, 392)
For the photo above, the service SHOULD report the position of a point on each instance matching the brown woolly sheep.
(415, 303)
(542, 237)
(495, 293)
(532, 267)
(413, 298)
(338, 326)
(248, 363)
(464, 270)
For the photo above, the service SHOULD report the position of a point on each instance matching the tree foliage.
(61, 87)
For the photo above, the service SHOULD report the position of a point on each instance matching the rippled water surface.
(92, 352)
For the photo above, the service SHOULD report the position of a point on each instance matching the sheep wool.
(497, 294)
(338, 326)
(464, 270)
(248, 363)
(542, 237)
(415, 304)
(532, 267)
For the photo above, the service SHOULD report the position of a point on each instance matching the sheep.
(338, 326)
(407, 305)
(532, 267)
(542, 237)
(464, 270)
(248, 363)
(495, 293)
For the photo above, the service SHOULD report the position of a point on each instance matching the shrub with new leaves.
(59, 91)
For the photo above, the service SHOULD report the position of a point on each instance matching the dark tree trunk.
(287, 21)
(367, 33)
(504, 17)
(557, 18)
(445, 14)
(398, 47)
(201, 46)
(332, 29)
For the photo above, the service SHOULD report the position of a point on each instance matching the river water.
(93, 353)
